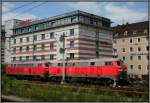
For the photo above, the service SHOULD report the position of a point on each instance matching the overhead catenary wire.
(28, 10)
(19, 7)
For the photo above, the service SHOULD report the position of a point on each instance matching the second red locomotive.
(109, 69)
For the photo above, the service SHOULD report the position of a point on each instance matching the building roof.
(76, 12)
(138, 28)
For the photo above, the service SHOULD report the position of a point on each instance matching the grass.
(19, 88)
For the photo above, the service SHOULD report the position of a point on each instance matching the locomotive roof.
(56, 61)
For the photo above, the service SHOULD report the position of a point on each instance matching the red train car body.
(94, 68)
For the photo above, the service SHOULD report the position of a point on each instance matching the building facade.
(131, 45)
(8, 26)
(2, 36)
(87, 36)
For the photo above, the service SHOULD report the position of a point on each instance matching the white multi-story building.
(131, 45)
(6, 40)
(86, 36)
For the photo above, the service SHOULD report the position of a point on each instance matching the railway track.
(124, 90)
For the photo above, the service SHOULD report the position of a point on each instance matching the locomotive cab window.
(39, 64)
(66, 64)
(47, 64)
(108, 63)
(59, 64)
(73, 64)
(92, 63)
(119, 63)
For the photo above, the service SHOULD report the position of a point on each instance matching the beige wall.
(125, 43)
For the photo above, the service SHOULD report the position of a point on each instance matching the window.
(95, 22)
(27, 39)
(14, 41)
(27, 48)
(131, 57)
(43, 47)
(147, 38)
(51, 56)
(35, 37)
(43, 36)
(123, 49)
(42, 57)
(59, 64)
(147, 47)
(27, 57)
(52, 23)
(71, 31)
(145, 31)
(130, 40)
(97, 43)
(91, 21)
(119, 63)
(14, 50)
(73, 19)
(97, 54)
(131, 49)
(131, 66)
(51, 45)
(138, 39)
(15, 31)
(116, 34)
(139, 67)
(20, 58)
(52, 35)
(20, 40)
(108, 63)
(34, 47)
(92, 63)
(134, 32)
(35, 27)
(139, 57)
(147, 67)
(20, 49)
(71, 55)
(115, 50)
(123, 40)
(139, 49)
(147, 57)
(123, 58)
(71, 44)
(14, 58)
(29, 29)
(34, 57)
(125, 33)
(115, 41)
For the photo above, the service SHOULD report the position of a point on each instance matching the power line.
(18, 7)
(29, 9)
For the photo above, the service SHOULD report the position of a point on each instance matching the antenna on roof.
(123, 21)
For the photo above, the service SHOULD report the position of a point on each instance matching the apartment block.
(131, 45)
(87, 36)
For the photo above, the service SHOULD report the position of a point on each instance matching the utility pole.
(62, 50)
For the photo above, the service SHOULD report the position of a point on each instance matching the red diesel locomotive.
(99, 69)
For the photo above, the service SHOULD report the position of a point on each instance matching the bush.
(52, 94)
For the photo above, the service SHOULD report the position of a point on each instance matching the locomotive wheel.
(68, 79)
(110, 82)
